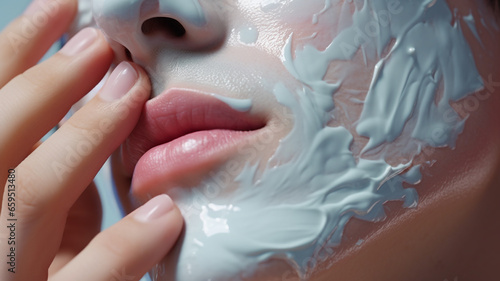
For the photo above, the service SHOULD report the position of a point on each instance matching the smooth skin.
(56, 205)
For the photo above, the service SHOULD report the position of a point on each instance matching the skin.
(58, 216)
(450, 234)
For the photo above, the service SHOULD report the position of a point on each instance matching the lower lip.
(177, 159)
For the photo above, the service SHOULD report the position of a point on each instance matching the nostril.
(165, 26)
(128, 54)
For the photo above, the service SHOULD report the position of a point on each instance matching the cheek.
(309, 22)
(317, 23)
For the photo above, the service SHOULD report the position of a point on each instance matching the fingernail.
(119, 82)
(82, 40)
(35, 6)
(154, 208)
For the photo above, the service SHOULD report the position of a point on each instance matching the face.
(285, 129)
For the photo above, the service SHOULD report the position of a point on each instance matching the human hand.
(48, 212)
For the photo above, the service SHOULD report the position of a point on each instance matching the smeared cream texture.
(242, 105)
(296, 210)
(297, 207)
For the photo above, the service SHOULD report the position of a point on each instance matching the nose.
(139, 28)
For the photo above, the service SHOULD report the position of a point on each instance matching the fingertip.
(161, 213)
(143, 87)
(135, 244)
(129, 81)
(88, 43)
(154, 209)
(162, 216)
(120, 82)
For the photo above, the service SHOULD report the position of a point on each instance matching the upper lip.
(176, 113)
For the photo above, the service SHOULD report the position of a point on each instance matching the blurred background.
(10, 9)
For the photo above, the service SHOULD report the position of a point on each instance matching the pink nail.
(119, 82)
(82, 40)
(154, 208)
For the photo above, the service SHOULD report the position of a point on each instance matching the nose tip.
(138, 28)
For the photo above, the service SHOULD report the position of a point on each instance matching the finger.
(129, 248)
(52, 178)
(82, 225)
(36, 100)
(27, 39)
(75, 153)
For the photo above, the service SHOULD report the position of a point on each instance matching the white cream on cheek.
(297, 210)
(291, 211)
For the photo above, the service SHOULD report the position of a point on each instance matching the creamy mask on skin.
(290, 211)
(295, 207)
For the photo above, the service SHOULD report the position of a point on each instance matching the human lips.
(181, 133)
